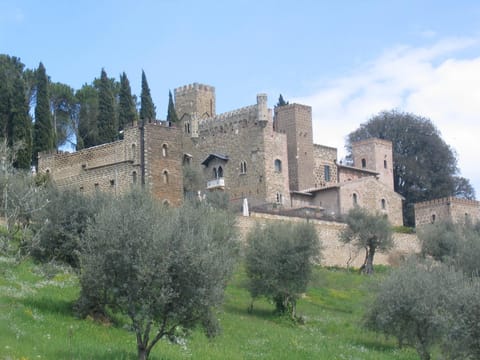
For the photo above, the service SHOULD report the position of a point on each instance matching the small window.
(385, 164)
(81, 188)
(215, 173)
(364, 163)
(134, 177)
(134, 152)
(279, 198)
(166, 203)
(164, 150)
(355, 199)
(278, 166)
(243, 167)
(220, 172)
(383, 204)
(434, 217)
(96, 186)
(165, 177)
(112, 183)
(327, 172)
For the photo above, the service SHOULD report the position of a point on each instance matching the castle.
(266, 156)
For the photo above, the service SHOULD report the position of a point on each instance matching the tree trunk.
(369, 262)
(143, 352)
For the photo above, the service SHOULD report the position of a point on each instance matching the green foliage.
(425, 167)
(371, 232)
(106, 120)
(281, 101)
(43, 133)
(127, 112)
(147, 108)
(172, 117)
(403, 229)
(411, 305)
(462, 340)
(441, 240)
(457, 245)
(279, 259)
(163, 268)
(63, 106)
(15, 122)
(87, 129)
(60, 225)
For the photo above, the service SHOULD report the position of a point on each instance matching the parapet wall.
(334, 252)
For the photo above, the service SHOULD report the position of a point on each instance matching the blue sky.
(347, 59)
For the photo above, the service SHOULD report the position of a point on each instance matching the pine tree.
(20, 126)
(147, 108)
(43, 135)
(127, 113)
(107, 129)
(172, 117)
(87, 130)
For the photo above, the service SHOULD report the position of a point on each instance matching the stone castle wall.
(117, 167)
(335, 253)
(242, 137)
(447, 209)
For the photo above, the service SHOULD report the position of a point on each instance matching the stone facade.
(447, 209)
(252, 152)
(150, 156)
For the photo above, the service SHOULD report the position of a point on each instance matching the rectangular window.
(327, 172)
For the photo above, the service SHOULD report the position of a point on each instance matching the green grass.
(37, 322)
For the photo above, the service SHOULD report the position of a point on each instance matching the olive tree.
(279, 260)
(164, 268)
(371, 232)
(412, 305)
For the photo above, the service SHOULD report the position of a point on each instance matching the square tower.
(295, 121)
(376, 155)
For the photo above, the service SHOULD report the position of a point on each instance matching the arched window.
(220, 172)
(383, 204)
(164, 150)
(134, 177)
(278, 166)
(364, 163)
(385, 164)
(434, 217)
(215, 173)
(165, 177)
(166, 203)
(355, 199)
(243, 167)
(279, 198)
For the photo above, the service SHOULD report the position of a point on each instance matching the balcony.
(216, 183)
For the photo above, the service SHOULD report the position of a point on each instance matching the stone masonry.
(447, 209)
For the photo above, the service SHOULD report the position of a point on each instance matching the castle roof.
(214, 156)
(346, 167)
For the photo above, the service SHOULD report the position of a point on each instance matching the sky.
(348, 60)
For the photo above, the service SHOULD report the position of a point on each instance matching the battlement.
(194, 86)
(447, 201)
(376, 141)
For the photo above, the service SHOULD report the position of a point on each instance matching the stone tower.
(193, 103)
(376, 155)
(295, 121)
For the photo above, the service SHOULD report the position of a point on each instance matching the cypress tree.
(43, 135)
(147, 108)
(107, 129)
(20, 126)
(171, 113)
(281, 101)
(127, 113)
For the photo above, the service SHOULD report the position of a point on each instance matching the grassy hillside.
(37, 322)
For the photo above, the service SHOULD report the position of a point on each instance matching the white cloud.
(433, 81)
